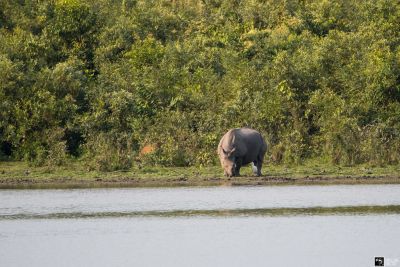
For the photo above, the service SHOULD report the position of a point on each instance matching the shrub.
(109, 152)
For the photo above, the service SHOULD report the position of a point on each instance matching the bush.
(316, 78)
(51, 152)
(109, 152)
(380, 144)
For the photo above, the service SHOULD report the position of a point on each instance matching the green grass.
(19, 174)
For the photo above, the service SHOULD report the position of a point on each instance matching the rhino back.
(246, 141)
(252, 141)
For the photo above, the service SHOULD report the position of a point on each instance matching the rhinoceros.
(239, 147)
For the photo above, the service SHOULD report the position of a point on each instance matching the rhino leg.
(259, 166)
(238, 165)
(260, 159)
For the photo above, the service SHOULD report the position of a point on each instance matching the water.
(32, 233)
(192, 198)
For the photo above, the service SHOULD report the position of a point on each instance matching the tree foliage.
(101, 79)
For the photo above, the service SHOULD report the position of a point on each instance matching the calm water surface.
(334, 240)
(193, 198)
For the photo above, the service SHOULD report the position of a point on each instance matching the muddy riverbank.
(76, 182)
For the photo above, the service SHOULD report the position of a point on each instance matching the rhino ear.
(225, 152)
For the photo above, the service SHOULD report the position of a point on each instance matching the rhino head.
(228, 161)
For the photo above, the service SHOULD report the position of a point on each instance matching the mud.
(70, 182)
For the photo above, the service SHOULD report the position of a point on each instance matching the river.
(201, 226)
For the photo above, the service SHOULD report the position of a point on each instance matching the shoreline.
(110, 182)
(75, 174)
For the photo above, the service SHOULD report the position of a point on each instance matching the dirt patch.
(70, 182)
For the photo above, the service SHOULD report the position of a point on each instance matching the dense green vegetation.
(99, 80)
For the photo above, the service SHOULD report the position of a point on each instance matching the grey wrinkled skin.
(239, 147)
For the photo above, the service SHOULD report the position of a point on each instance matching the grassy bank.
(75, 174)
